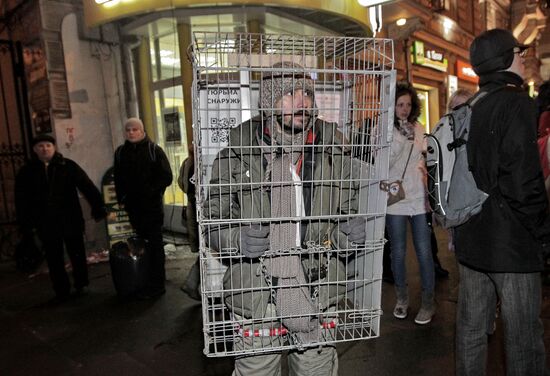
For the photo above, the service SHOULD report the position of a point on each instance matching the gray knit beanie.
(277, 82)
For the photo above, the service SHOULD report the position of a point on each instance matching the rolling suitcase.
(129, 265)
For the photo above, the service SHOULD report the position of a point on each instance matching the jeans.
(396, 226)
(520, 299)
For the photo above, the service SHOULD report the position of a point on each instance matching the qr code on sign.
(220, 129)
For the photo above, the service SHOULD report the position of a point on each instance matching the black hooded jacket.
(508, 234)
(142, 173)
(46, 199)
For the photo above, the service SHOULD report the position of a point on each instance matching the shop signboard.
(465, 72)
(452, 85)
(428, 57)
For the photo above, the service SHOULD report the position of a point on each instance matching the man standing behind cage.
(142, 173)
(286, 143)
(500, 249)
(46, 200)
(186, 181)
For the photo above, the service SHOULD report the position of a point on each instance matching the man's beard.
(289, 127)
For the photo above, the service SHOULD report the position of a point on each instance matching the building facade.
(435, 40)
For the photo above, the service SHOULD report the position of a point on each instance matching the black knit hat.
(42, 138)
(493, 51)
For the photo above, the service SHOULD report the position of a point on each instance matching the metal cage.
(291, 142)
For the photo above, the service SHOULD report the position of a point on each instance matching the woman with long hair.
(407, 164)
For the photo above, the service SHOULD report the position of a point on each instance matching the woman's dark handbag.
(129, 265)
(395, 189)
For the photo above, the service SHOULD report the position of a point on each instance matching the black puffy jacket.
(508, 234)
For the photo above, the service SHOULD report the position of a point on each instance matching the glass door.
(171, 136)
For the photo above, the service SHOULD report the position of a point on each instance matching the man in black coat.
(47, 201)
(142, 173)
(500, 249)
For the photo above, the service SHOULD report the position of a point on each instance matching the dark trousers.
(152, 233)
(386, 260)
(520, 297)
(192, 225)
(53, 247)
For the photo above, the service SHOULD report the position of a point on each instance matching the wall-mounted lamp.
(401, 22)
(375, 17)
(447, 25)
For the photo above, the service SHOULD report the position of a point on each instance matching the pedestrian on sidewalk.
(500, 249)
(46, 200)
(186, 181)
(142, 173)
(407, 164)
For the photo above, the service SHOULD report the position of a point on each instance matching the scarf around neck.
(405, 127)
(293, 303)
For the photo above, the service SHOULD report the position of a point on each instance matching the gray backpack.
(452, 190)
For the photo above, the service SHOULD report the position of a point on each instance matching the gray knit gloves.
(350, 231)
(254, 240)
(355, 229)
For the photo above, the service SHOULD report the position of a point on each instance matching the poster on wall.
(172, 124)
(39, 100)
(34, 61)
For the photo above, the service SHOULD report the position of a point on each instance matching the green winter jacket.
(238, 194)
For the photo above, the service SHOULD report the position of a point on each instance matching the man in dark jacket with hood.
(46, 200)
(500, 249)
(142, 173)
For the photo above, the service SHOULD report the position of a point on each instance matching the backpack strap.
(460, 140)
(482, 94)
(407, 163)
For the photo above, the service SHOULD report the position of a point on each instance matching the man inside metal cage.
(283, 206)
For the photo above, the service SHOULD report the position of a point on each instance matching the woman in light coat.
(407, 164)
